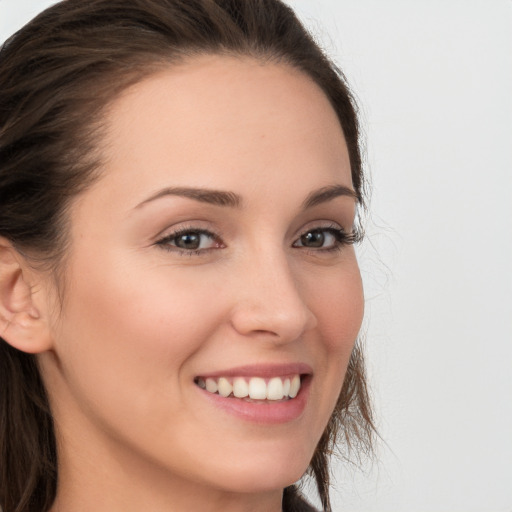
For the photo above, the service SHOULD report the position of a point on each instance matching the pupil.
(189, 241)
(313, 239)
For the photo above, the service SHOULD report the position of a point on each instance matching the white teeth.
(240, 388)
(255, 388)
(294, 386)
(225, 388)
(286, 387)
(211, 385)
(275, 389)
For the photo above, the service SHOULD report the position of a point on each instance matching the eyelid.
(163, 241)
(343, 237)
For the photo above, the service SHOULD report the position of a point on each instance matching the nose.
(269, 302)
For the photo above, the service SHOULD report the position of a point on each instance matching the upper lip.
(261, 370)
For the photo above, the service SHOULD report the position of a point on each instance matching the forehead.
(215, 120)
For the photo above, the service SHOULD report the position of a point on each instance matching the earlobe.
(22, 323)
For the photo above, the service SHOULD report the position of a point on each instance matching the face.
(214, 252)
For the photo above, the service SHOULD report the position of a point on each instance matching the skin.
(140, 320)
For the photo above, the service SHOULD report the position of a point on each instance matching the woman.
(180, 297)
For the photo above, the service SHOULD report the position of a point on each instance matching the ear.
(22, 323)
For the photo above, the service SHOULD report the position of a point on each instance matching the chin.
(258, 481)
(264, 473)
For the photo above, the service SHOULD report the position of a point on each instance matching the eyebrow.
(327, 194)
(215, 197)
(232, 200)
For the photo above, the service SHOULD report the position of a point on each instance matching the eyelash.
(342, 238)
(164, 242)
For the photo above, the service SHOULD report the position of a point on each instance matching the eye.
(328, 238)
(190, 241)
(316, 238)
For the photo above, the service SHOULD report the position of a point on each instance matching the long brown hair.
(57, 76)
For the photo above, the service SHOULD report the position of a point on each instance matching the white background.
(434, 81)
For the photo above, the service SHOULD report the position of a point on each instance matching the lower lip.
(264, 413)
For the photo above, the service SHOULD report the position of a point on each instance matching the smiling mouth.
(250, 389)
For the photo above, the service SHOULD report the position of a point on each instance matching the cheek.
(155, 305)
(339, 307)
(126, 335)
